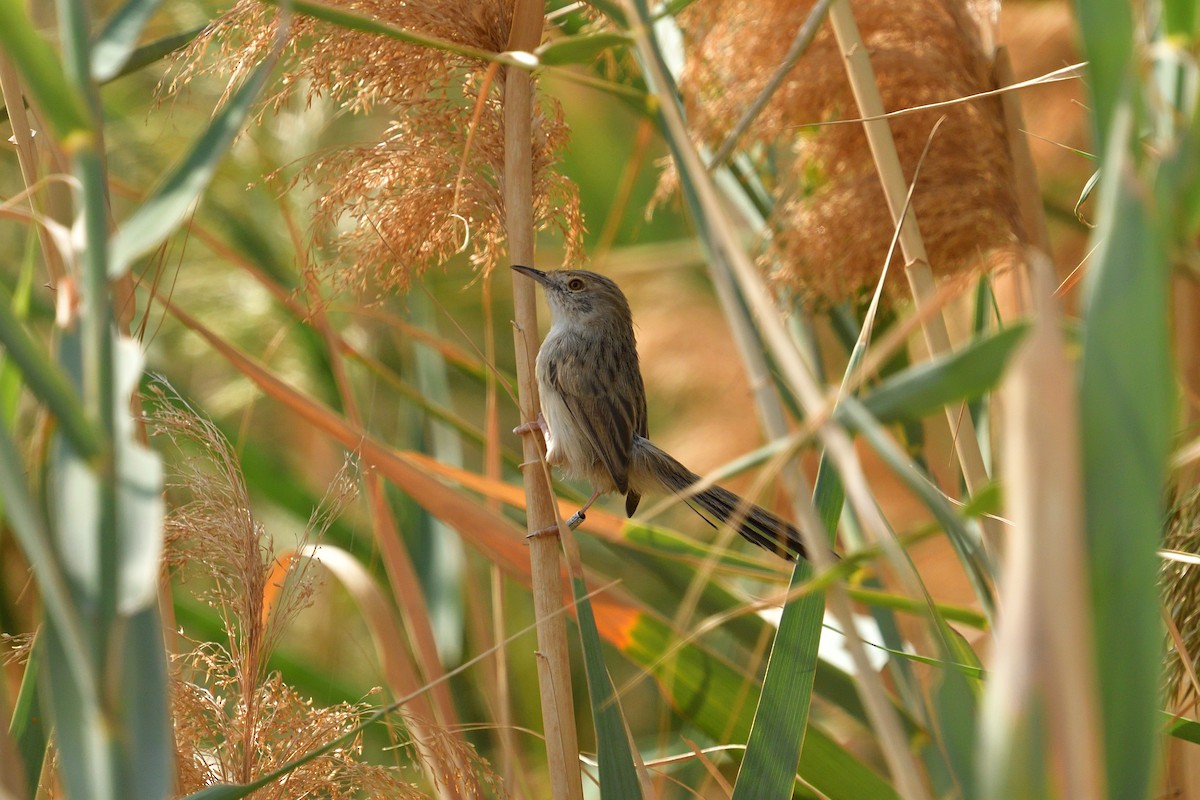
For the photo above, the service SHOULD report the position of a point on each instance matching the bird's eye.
(575, 284)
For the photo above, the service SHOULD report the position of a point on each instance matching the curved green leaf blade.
(1107, 28)
(33, 535)
(27, 728)
(712, 695)
(926, 388)
(1127, 399)
(162, 212)
(118, 40)
(579, 49)
(157, 50)
(48, 382)
(1085, 194)
(773, 750)
(618, 773)
(777, 737)
(1181, 728)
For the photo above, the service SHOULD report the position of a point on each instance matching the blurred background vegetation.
(417, 356)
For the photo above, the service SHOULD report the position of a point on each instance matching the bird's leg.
(580, 515)
(574, 522)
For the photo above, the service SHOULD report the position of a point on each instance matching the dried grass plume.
(831, 222)
(410, 198)
(234, 720)
(1181, 600)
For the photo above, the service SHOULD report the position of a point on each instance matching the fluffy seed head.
(831, 226)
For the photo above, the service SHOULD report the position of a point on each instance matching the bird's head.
(579, 297)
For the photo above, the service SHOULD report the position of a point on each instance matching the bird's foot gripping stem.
(538, 424)
(574, 522)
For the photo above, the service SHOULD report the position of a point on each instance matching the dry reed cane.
(554, 680)
(916, 262)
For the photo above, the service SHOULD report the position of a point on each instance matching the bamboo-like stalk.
(554, 680)
(916, 263)
(1043, 676)
(1012, 288)
(1029, 195)
(96, 341)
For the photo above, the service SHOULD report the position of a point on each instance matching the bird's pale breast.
(567, 446)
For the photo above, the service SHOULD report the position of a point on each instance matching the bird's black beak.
(536, 274)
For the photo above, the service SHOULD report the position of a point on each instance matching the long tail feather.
(754, 523)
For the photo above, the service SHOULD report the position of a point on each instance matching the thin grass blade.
(27, 728)
(967, 544)
(776, 740)
(56, 97)
(164, 210)
(618, 772)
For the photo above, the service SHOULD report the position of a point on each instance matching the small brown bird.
(594, 412)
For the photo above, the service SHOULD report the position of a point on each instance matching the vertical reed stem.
(554, 680)
(916, 262)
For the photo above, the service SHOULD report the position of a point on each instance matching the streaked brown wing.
(609, 419)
